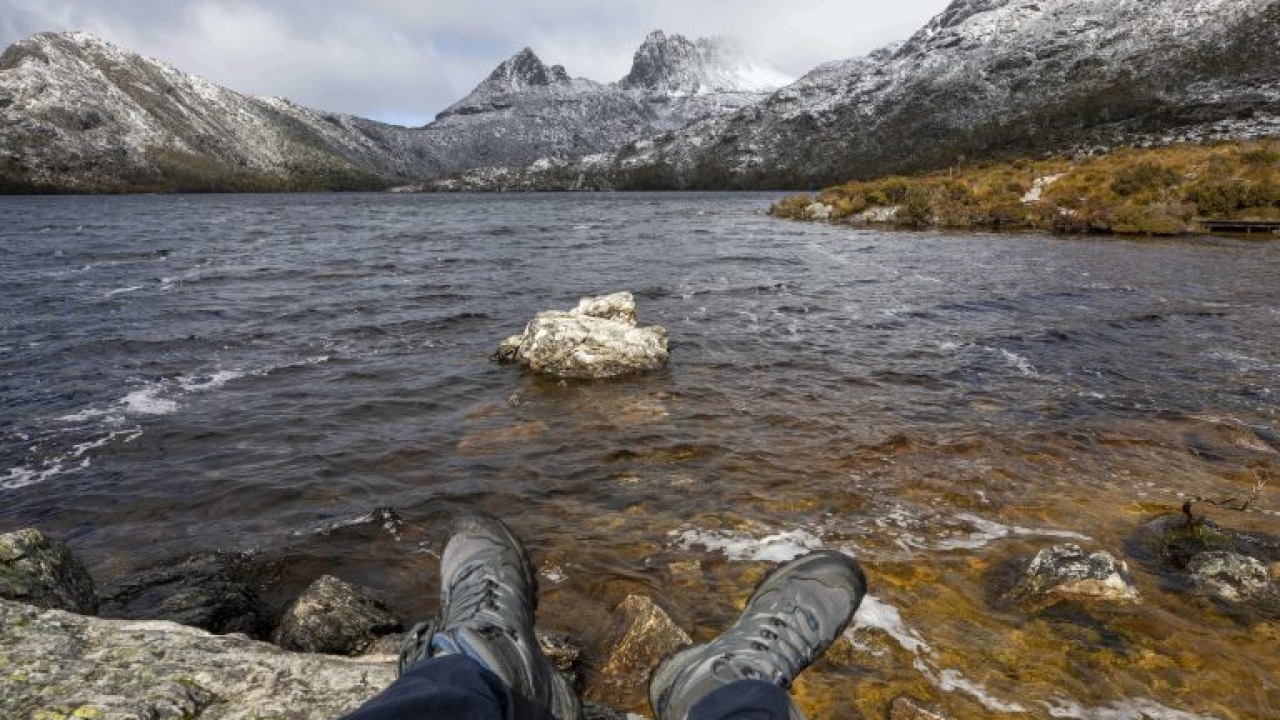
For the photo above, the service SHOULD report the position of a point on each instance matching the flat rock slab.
(54, 664)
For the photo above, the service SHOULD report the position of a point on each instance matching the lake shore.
(1173, 190)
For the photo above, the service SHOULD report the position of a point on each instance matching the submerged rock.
(596, 340)
(59, 665)
(564, 654)
(215, 592)
(1180, 540)
(40, 571)
(335, 617)
(646, 634)
(1067, 571)
(1228, 576)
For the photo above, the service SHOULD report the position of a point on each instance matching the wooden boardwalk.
(1242, 227)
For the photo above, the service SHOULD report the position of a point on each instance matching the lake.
(307, 378)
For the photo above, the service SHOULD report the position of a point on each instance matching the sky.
(403, 61)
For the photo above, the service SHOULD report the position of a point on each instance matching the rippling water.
(179, 374)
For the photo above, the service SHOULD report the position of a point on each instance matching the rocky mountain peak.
(39, 47)
(674, 66)
(519, 73)
(524, 70)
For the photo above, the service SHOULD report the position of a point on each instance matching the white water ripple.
(779, 547)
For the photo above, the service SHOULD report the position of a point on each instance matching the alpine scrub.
(1130, 191)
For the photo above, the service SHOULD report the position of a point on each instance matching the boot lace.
(782, 643)
(476, 600)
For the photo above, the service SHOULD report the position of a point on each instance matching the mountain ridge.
(80, 114)
(984, 78)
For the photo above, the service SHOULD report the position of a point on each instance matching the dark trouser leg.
(449, 687)
(744, 700)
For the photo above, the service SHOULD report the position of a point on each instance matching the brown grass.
(1136, 191)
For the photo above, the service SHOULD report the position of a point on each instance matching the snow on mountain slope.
(77, 112)
(985, 78)
(991, 77)
(526, 110)
(674, 66)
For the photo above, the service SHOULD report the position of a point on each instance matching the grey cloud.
(403, 61)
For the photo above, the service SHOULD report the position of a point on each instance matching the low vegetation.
(1133, 191)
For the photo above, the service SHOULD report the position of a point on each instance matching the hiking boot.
(791, 619)
(488, 596)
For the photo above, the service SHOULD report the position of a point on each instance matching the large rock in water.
(1067, 571)
(335, 617)
(40, 571)
(54, 665)
(647, 634)
(598, 339)
(1228, 576)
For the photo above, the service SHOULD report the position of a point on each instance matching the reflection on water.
(185, 374)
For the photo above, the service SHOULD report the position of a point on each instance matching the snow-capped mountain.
(527, 111)
(674, 66)
(985, 78)
(77, 113)
(996, 77)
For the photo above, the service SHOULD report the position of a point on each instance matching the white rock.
(598, 339)
(1228, 575)
(818, 211)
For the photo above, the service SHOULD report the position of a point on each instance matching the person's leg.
(744, 700)
(482, 655)
(792, 618)
(450, 686)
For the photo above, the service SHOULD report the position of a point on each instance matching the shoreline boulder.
(598, 339)
(335, 618)
(41, 571)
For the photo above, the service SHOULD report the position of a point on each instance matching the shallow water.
(181, 374)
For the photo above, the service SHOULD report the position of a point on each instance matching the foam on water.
(387, 518)
(953, 681)
(148, 401)
(987, 531)
(202, 383)
(122, 291)
(875, 614)
(86, 415)
(779, 547)
(76, 458)
(1126, 709)
(1023, 365)
(153, 400)
(553, 574)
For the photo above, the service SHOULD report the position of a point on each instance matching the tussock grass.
(1131, 191)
